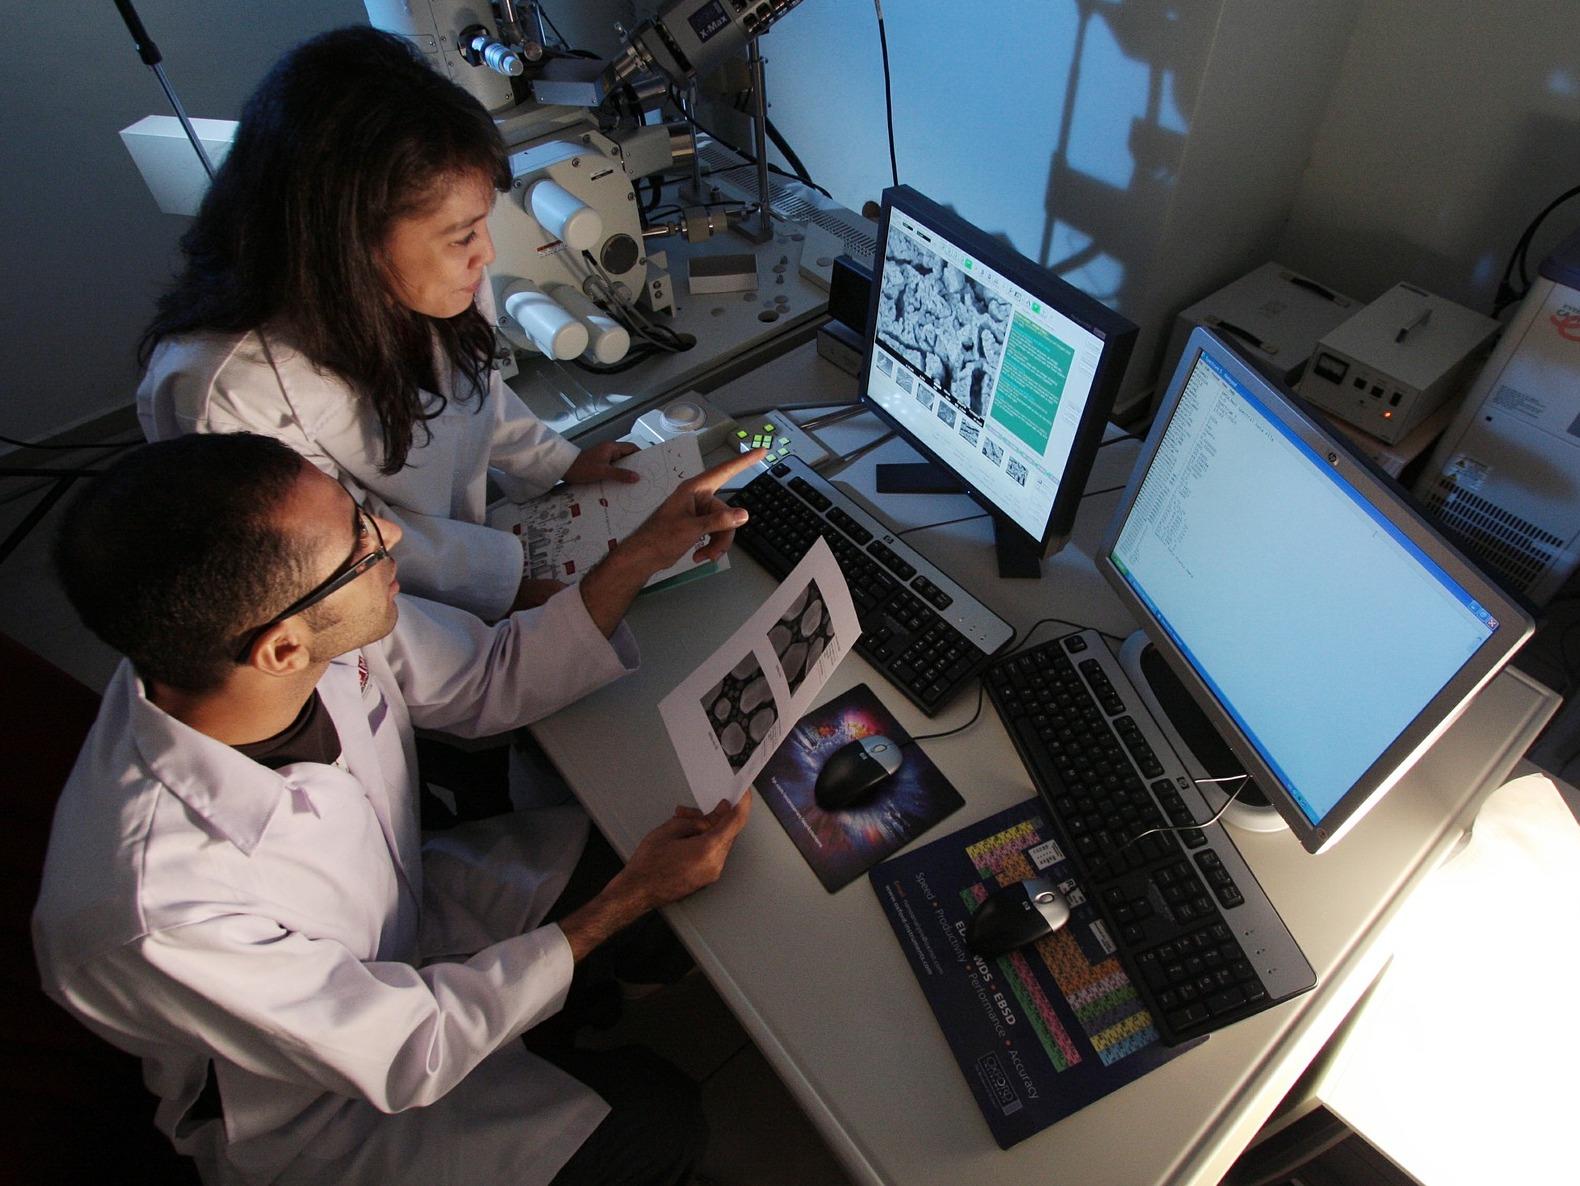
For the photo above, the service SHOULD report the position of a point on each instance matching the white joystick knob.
(684, 416)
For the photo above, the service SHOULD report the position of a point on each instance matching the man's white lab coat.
(214, 382)
(198, 907)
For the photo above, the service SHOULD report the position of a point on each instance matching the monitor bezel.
(1515, 625)
(1117, 333)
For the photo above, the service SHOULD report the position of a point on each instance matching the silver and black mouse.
(855, 771)
(1020, 913)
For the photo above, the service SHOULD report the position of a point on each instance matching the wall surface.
(87, 250)
(1147, 150)
(1452, 125)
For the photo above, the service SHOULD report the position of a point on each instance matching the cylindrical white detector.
(608, 340)
(551, 329)
(564, 215)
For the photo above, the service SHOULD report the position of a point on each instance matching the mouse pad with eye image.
(1044, 1030)
(840, 845)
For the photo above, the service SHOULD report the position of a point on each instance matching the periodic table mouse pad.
(1038, 1033)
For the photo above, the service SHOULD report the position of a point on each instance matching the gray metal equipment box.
(1504, 483)
(1272, 315)
(1396, 361)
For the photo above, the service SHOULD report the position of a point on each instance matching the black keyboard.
(1182, 910)
(922, 631)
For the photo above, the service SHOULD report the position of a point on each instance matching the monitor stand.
(1194, 736)
(1016, 557)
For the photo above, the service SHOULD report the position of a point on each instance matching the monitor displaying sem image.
(1001, 344)
(942, 323)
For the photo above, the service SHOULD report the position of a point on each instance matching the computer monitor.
(1326, 631)
(991, 367)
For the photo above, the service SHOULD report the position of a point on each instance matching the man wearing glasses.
(236, 888)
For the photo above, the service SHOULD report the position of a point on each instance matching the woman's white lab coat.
(226, 382)
(200, 908)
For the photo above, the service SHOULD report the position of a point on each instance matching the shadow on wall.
(1459, 254)
(1134, 70)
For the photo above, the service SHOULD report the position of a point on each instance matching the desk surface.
(1484, 1056)
(818, 980)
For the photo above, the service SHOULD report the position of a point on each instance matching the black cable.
(1530, 233)
(44, 478)
(1564, 660)
(791, 158)
(742, 104)
(1506, 295)
(1026, 638)
(834, 415)
(653, 199)
(69, 446)
(944, 523)
(748, 160)
(751, 163)
(981, 696)
(56, 491)
(38, 471)
(807, 407)
(1129, 436)
(553, 28)
(841, 458)
(1245, 780)
(1104, 490)
(985, 514)
(888, 93)
(728, 1059)
(660, 336)
(1009, 648)
(672, 207)
(637, 354)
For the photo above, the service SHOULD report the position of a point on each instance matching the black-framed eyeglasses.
(353, 567)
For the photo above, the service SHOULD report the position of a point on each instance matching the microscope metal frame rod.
(149, 52)
(765, 228)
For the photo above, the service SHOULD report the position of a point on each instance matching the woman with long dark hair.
(330, 299)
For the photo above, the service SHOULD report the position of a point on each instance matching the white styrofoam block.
(170, 168)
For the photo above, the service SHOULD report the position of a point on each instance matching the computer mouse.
(1019, 913)
(855, 771)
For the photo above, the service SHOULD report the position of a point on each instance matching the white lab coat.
(226, 382)
(199, 907)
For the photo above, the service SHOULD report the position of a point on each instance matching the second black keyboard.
(925, 633)
(1180, 907)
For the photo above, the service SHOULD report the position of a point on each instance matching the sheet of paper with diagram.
(571, 528)
(729, 715)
